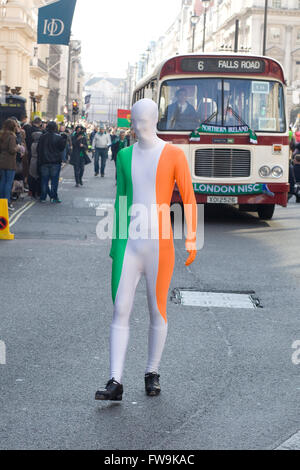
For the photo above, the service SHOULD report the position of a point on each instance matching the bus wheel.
(266, 211)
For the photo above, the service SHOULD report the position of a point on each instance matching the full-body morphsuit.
(147, 172)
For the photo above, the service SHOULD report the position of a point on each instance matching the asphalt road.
(228, 380)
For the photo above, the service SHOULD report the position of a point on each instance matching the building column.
(12, 61)
(256, 35)
(26, 80)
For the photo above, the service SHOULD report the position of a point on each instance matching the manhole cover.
(193, 298)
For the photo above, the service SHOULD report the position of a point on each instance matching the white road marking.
(14, 215)
(71, 181)
(2, 353)
(293, 443)
(92, 203)
(25, 209)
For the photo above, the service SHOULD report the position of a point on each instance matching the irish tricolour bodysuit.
(146, 177)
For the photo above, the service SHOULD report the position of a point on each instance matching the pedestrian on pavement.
(37, 125)
(22, 171)
(34, 176)
(297, 136)
(92, 135)
(297, 177)
(8, 155)
(50, 150)
(65, 133)
(79, 157)
(128, 138)
(114, 139)
(291, 141)
(44, 125)
(120, 143)
(27, 128)
(294, 176)
(101, 144)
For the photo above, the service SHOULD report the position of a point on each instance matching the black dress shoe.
(152, 385)
(113, 391)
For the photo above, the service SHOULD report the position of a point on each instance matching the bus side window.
(154, 90)
(162, 123)
(148, 92)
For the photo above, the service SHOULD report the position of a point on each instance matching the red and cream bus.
(228, 113)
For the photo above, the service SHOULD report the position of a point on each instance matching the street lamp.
(206, 5)
(265, 28)
(194, 21)
(148, 57)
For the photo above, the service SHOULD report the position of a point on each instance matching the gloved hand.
(191, 258)
(192, 250)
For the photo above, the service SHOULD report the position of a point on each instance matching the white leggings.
(141, 257)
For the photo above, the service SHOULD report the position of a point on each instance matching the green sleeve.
(121, 191)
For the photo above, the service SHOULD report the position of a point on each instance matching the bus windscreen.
(185, 104)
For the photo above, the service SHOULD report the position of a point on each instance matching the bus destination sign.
(215, 65)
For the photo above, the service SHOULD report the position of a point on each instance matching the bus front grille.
(223, 163)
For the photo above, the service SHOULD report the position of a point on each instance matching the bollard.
(4, 221)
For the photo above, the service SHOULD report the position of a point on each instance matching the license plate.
(222, 200)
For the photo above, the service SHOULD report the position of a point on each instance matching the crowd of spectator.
(32, 155)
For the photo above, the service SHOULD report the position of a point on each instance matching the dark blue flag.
(55, 22)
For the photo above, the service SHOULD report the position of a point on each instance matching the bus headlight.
(277, 172)
(264, 171)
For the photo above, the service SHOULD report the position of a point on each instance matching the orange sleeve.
(185, 185)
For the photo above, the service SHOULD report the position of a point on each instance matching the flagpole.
(68, 82)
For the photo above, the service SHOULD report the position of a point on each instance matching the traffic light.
(75, 107)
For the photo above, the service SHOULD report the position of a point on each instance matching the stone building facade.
(39, 70)
(22, 63)
(283, 35)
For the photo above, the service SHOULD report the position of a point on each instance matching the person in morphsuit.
(147, 172)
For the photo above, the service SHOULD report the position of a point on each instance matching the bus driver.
(181, 115)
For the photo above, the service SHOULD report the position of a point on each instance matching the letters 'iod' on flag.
(55, 22)
(124, 118)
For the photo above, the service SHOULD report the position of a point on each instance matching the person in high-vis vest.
(147, 173)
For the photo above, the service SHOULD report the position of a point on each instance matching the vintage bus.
(228, 114)
(12, 105)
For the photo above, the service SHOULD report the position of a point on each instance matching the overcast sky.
(115, 32)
